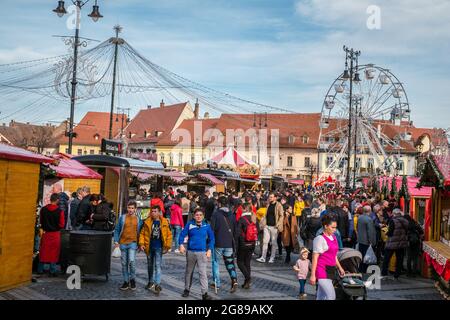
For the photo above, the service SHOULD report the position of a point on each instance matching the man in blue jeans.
(155, 239)
(126, 235)
(223, 224)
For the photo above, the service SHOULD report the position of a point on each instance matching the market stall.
(231, 179)
(436, 173)
(70, 174)
(119, 173)
(19, 183)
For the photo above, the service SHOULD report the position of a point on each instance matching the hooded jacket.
(223, 225)
(200, 238)
(145, 234)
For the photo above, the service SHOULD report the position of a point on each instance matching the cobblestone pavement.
(270, 281)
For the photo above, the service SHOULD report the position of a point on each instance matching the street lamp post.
(352, 75)
(259, 127)
(95, 15)
(357, 104)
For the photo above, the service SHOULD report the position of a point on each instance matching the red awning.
(210, 178)
(14, 153)
(68, 168)
(145, 175)
(297, 181)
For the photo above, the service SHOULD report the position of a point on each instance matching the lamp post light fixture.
(95, 15)
(351, 74)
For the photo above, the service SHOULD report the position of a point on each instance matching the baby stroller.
(351, 286)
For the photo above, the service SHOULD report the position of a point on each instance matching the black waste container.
(91, 251)
(65, 248)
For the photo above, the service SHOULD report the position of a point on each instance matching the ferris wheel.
(377, 96)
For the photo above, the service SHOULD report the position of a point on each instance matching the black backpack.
(111, 222)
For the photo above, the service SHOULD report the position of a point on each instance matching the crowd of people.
(313, 223)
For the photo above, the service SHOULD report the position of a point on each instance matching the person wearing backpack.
(246, 236)
(101, 216)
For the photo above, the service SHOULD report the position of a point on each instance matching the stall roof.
(297, 181)
(110, 161)
(443, 164)
(143, 164)
(223, 174)
(70, 168)
(14, 153)
(210, 178)
(411, 183)
(102, 160)
(146, 174)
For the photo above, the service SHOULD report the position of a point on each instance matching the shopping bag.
(116, 252)
(370, 257)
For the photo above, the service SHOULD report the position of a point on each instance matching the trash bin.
(91, 251)
(65, 248)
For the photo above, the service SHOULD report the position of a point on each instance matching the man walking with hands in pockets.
(199, 247)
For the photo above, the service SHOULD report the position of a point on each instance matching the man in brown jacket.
(271, 224)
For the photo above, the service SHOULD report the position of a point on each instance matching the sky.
(284, 53)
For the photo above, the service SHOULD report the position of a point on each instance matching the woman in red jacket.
(176, 221)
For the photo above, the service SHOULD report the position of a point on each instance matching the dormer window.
(305, 139)
(291, 139)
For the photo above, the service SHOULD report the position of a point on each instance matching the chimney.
(206, 115)
(196, 110)
(161, 105)
(149, 106)
(11, 123)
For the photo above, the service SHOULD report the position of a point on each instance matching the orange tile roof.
(296, 125)
(95, 124)
(154, 119)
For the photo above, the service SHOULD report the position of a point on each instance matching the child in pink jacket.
(302, 267)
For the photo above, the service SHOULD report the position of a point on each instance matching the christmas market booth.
(118, 173)
(70, 175)
(436, 173)
(230, 167)
(19, 184)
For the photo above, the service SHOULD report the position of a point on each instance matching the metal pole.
(355, 145)
(74, 78)
(347, 177)
(116, 42)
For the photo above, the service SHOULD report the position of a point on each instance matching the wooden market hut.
(436, 173)
(19, 183)
(74, 174)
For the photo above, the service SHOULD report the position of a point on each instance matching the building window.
(305, 139)
(329, 160)
(92, 151)
(358, 163)
(203, 156)
(307, 162)
(171, 160)
(291, 139)
(255, 159)
(161, 157)
(370, 163)
(271, 160)
(400, 165)
(192, 158)
(67, 150)
(341, 163)
(180, 159)
(80, 152)
(289, 161)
